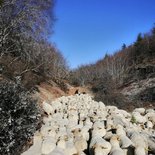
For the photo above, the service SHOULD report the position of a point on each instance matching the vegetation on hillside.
(130, 64)
(19, 118)
(25, 50)
(26, 59)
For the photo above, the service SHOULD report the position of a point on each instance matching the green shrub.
(133, 120)
(19, 118)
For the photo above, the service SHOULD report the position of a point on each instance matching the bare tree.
(21, 20)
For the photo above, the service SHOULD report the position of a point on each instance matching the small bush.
(19, 118)
(105, 91)
(133, 120)
(112, 98)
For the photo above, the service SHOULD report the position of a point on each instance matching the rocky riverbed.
(78, 125)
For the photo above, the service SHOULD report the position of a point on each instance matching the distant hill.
(125, 77)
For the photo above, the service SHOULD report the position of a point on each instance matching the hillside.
(125, 77)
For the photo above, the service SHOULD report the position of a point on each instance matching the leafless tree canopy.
(22, 21)
(107, 75)
(25, 26)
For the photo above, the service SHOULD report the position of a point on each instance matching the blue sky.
(87, 29)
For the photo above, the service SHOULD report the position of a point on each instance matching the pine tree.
(1, 2)
(153, 29)
(138, 48)
(123, 46)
